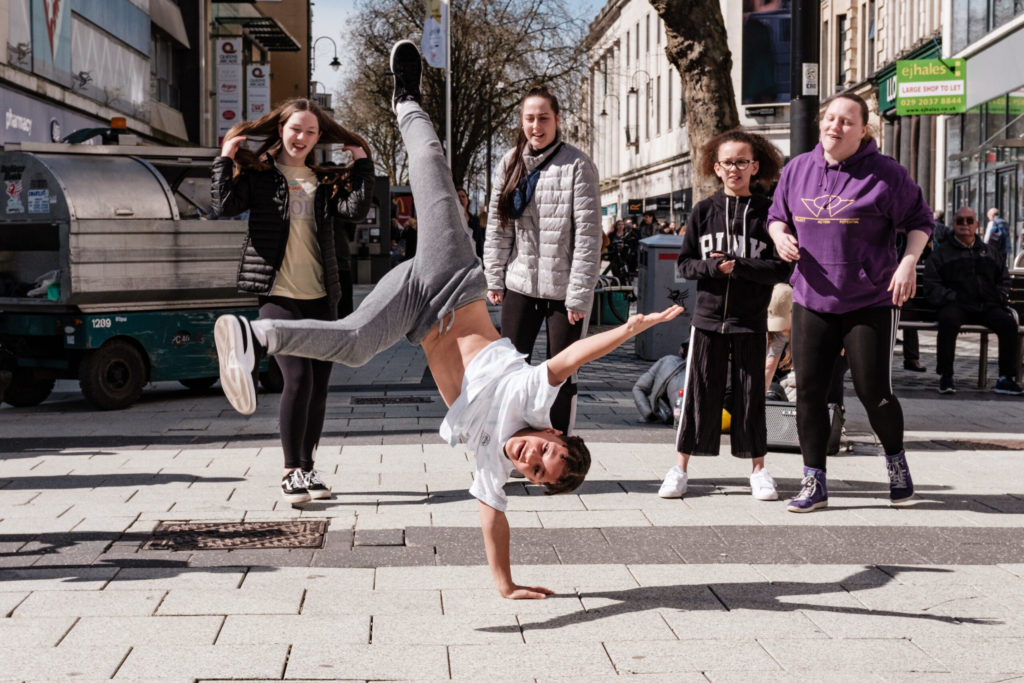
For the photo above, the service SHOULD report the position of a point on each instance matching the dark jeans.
(521, 318)
(306, 382)
(911, 345)
(867, 334)
(951, 316)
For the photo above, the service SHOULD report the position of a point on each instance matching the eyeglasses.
(739, 164)
(963, 220)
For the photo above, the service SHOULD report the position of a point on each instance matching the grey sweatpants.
(444, 275)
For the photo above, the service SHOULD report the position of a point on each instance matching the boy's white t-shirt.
(501, 394)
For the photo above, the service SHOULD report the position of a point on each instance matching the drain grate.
(235, 535)
(387, 400)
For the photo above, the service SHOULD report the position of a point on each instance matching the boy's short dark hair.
(577, 464)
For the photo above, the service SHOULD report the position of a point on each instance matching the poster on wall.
(930, 86)
(51, 39)
(257, 91)
(229, 84)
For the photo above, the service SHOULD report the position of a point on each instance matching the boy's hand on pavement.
(527, 593)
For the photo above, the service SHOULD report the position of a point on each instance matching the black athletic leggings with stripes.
(868, 335)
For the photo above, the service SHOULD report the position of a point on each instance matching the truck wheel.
(272, 380)
(27, 388)
(113, 375)
(199, 383)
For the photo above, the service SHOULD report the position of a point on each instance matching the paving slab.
(230, 601)
(331, 631)
(518, 662)
(43, 603)
(50, 664)
(213, 661)
(145, 631)
(429, 662)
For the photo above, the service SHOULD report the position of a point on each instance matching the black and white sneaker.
(946, 384)
(316, 486)
(407, 68)
(293, 488)
(236, 352)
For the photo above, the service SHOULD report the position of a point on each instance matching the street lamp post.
(335, 64)
(632, 102)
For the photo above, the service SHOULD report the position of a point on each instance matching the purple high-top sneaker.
(901, 486)
(813, 492)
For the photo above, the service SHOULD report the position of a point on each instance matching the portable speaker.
(780, 417)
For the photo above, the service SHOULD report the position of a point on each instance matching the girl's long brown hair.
(267, 128)
(517, 167)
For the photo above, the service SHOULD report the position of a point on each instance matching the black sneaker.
(407, 68)
(1007, 385)
(946, 384)
(316, 486)
(293, 488)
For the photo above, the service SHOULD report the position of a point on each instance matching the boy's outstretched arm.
(561, 367)
(496, 537)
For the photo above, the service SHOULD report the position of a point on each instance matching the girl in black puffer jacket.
(289, 259)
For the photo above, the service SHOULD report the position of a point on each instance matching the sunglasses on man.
(963, 220)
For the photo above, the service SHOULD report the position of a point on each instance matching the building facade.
(861, 43)
(984, 147)
(72, 64)
(636, 112)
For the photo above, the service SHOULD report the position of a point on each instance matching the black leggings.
(868, 335)
(521, 318)
(306, 382)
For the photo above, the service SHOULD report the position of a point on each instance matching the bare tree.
(499, 49)
(696, 45)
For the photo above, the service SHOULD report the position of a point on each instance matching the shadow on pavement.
(767, 596)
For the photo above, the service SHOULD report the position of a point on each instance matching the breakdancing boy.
(498, 404)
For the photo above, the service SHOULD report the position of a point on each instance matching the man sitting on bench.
(968, 284)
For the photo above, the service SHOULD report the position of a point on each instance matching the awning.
(167, 16)
(265, 31)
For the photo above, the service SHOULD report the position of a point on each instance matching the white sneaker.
(237, 357)
(674, 485)
(762, 486)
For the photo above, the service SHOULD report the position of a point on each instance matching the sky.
(331, 16)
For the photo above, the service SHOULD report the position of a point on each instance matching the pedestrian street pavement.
(715, 586)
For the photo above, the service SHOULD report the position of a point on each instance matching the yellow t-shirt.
(302, 273)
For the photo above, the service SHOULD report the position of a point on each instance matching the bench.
(918, 314)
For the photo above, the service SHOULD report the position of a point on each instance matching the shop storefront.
(30, 119)
(985, 145)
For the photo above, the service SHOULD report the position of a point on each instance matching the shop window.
(164, 68)
(840, 49)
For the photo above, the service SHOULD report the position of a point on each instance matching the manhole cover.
(387, 400)
(232, 535)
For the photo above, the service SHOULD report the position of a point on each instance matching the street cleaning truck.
(111, 271)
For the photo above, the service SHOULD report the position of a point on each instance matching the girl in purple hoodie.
(836, 213)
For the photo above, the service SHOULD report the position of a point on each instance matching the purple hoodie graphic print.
(846, 217)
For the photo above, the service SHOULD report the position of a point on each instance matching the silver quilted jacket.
(554, 250)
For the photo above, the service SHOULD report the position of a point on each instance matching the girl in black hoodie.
(728, 251)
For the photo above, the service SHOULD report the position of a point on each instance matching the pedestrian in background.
(289, 259)
(728, 252)
(543, 246)
(473, 221)
(997, 236)
(836, 212)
